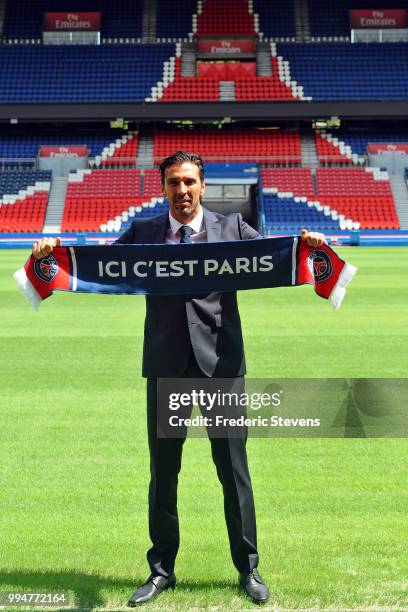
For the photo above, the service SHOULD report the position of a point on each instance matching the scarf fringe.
(339, 290)
(27, 288)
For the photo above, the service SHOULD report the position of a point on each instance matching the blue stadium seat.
(358, 140)
(276, 19)
(83, 73)
(145, 212)
(11, 182)
(17, 143)
(174, 19)
(344, 71)
(285, 213)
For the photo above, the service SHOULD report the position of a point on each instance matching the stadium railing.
(18, 163)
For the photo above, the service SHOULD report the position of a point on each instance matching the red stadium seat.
(328, 153)
(295, 180)
(267, 146)
(357, 194)
(101, 196)
(25, 215)
(205, 87)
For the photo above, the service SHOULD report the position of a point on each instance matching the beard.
(187, 208)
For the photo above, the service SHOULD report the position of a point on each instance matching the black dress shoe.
(254, 586)
(153, 586)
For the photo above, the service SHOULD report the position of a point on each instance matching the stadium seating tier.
(286, 214)
(81, 73)
(23, 200)
(357, 194)
(174, 19)
(328, 153)
(219, 17)
(332, 19)
(21, 142)
(277, 18)
(24, 19)
(359, 139)
(343, 71)
(265, 146)
(296, 180)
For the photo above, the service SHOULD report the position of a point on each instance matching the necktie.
(186, 231)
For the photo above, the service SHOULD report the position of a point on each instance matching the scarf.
(172, 269)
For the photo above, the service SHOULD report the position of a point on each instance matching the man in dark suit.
(192, 336)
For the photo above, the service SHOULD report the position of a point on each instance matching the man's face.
(183, 189)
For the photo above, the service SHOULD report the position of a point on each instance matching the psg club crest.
(320, 265)
(46, 269)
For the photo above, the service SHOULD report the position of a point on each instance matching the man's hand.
(44, 247)
(312, 238)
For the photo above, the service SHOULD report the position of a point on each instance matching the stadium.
(299, 110)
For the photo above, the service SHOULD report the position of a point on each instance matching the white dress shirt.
(197, 225)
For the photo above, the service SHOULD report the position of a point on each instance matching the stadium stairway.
(56, 203)
(263, 59)
(302, 23)
(2, 15)
(145, 151)
(227, 91)
(175, 87)
(149, 21)
(180, 82)
(309, 153)
(188, 60)
(400, 194)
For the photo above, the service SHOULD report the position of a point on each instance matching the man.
(192, 336)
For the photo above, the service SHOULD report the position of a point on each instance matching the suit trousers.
(230, 459)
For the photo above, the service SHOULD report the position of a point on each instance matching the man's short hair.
(178, 158)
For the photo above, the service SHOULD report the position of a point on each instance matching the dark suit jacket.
(209, 325)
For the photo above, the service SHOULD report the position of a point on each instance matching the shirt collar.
(195, 224)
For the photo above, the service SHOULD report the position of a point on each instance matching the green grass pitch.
(332, 513)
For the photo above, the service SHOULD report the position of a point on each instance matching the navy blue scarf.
(172, 269)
